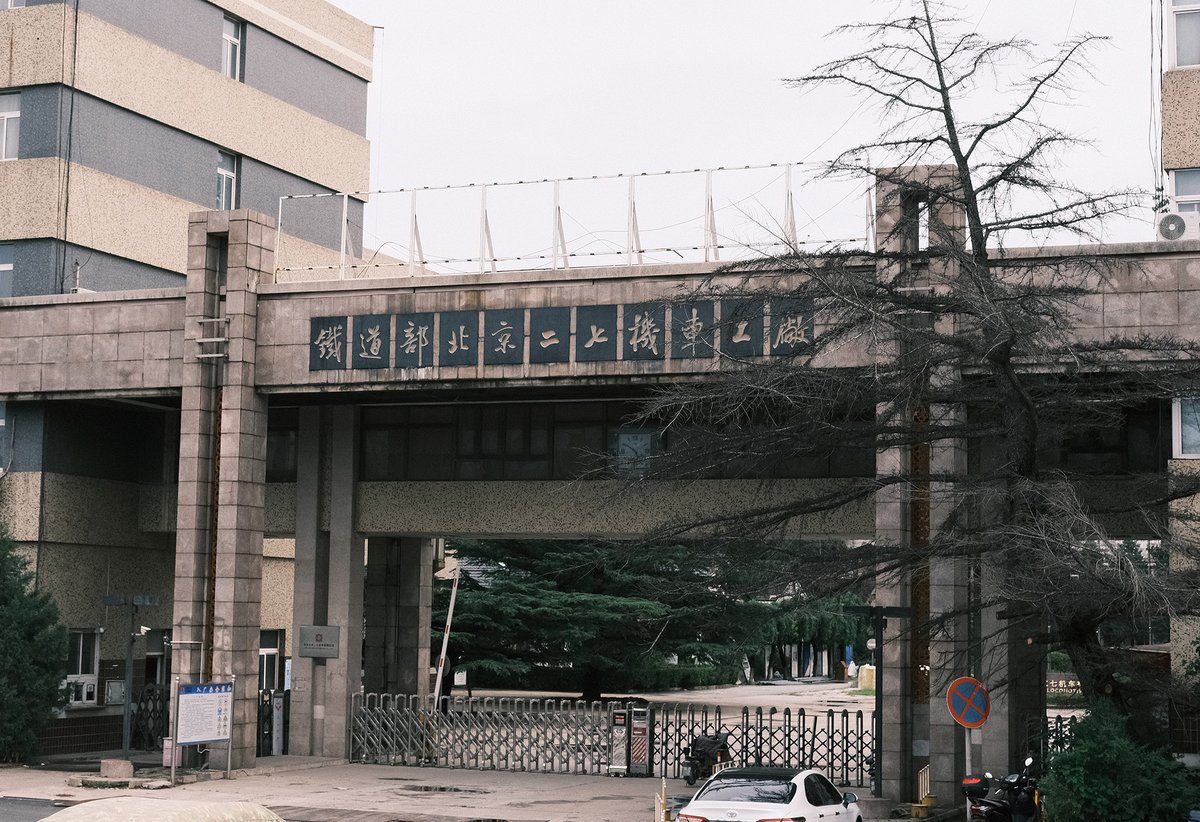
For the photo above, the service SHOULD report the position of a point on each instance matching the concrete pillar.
(950, 652)
(223, 447)
(399, 602)
(379, 612)
(415, 607)
(893, 678)
(346, 567)
(308, 597)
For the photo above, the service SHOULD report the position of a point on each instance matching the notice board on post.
(204, 713)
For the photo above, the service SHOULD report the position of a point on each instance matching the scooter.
(1014, 798)
(703, 754)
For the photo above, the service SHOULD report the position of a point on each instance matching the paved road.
(25, 810)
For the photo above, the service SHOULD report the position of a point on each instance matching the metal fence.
(562, 736)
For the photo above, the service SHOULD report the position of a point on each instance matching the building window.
(269, 643)
(231, 48)
(1185, 428)
(227, 181)
(1185, 33)
(6, 269)
(82, 659)
(10, 125)
(12, 4)
(1185, 189)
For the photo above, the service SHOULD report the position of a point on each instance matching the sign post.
(969, 705)
(204, 713)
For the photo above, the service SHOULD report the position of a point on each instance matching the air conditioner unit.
(1178, 225)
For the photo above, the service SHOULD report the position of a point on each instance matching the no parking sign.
(968, 702)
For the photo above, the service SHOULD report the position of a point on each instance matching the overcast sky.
(475, 91)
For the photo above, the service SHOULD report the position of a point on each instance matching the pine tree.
(602, 618)
(33, 660)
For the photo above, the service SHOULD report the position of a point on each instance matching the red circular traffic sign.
(968, 702)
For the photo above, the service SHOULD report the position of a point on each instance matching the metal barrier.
(563, 736)
(274, 709)
(150, 717)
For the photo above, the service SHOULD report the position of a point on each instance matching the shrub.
(1106, 775)
(34, 658)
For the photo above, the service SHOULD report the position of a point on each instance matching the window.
(1185, 424)
(82, 658)
(227, 181)
(1185, 189)
(11, 4)
(6, 269)
(268, 660)
(1185, 33)
(231, 48)
(10, 125)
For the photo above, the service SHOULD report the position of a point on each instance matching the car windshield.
(748, 790)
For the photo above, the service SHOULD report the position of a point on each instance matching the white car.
(770, 795)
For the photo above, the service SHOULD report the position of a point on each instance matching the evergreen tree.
(601, 618)
(34, 658)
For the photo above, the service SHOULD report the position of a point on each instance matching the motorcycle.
(1014, 798)
(703, 754)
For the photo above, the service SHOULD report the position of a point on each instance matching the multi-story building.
(118, 119)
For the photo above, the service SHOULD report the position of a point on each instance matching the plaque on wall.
(320, 641)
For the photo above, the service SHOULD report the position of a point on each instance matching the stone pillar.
(345, 591)
(379, 610)
(218, 590)
(308, 597)
(399, 602)
(893, 678)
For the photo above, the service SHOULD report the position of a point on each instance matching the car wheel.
(690, 778)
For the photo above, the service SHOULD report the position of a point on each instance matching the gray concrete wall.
(48, 267)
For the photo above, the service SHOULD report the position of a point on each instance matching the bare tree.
(956, 354)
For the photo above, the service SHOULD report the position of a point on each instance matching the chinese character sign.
(742, 328)
(372, 346)
(596, 333)
(504, 337)
(458, 339)
(549, 335)
(645, 335)
(327, 344)
(414, 340)
(660, 331)
(791, 326)
(692, 330)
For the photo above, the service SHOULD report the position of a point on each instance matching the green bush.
(33, 657)
(1105, 775)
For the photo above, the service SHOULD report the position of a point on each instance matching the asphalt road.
(25, 810)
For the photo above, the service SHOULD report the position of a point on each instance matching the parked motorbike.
(703, 754)
(1014, 798)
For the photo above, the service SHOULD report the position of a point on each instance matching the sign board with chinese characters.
(655, 331)
(204, 713)
(320, 641)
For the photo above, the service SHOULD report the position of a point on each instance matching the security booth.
(641, 742)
